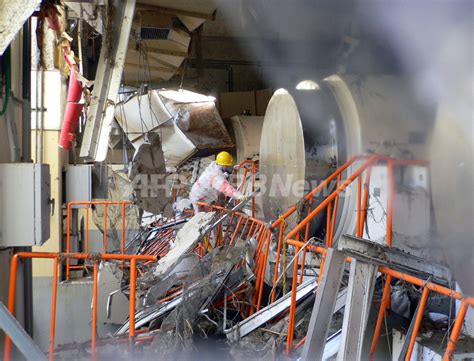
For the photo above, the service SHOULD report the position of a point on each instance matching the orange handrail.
(369, 161)
(331, 204)
(57, 257)
(245, 164)
(427, 286)
(122, 204)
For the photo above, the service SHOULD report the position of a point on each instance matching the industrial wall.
(6, 155)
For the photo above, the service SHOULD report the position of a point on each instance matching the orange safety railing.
(330, 203)
(87, 205)
(426, 285)
(240, 225)
(250, 167)
(245, 227)
(59, 257)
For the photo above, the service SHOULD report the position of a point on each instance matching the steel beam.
(324, 305)
(394, 258)
(108, 78)
(356, 313)
(18, 335)
(259, 318)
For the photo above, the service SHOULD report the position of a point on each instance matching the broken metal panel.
(110, 298)
(139, 114)
(191, 23)
(109, 74)
(188, 123)
(259, 318)
(13, 14)
(142, 66)
(145, 61)
(198, 118)
(177, 148)
(148, 175)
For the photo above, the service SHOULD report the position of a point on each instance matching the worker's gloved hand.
(236, 168)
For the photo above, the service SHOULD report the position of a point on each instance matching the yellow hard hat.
(225, 159)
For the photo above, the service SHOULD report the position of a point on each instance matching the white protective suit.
(210, 184)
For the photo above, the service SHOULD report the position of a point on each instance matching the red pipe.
(72, 112)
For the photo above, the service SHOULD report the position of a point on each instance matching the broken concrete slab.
(185, 241)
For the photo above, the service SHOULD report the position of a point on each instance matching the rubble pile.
(200, 295)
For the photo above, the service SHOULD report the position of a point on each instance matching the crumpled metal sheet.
(200, 121)
(188, 123)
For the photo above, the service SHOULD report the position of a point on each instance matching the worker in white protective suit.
(213, 181)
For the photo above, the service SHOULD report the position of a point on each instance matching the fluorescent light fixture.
(307, 85)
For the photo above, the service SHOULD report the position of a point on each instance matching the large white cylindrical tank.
(282, 155)
(325, 126)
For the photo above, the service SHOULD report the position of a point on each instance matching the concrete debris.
(147, 161)
(186, 239)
